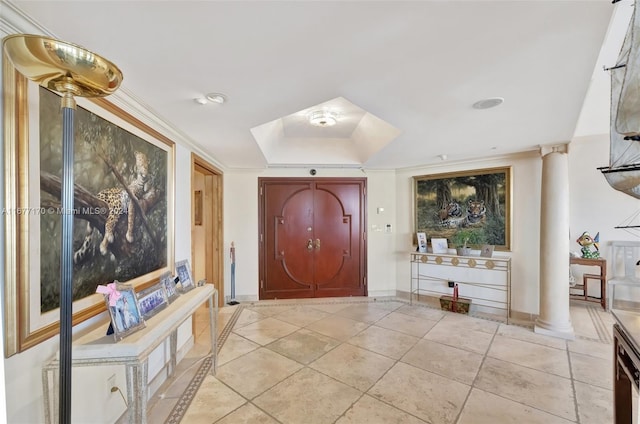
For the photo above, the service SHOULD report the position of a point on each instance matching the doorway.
(206, 224)
(312, 237)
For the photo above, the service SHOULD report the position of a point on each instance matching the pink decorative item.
(111, 291)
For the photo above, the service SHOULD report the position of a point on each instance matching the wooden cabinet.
(626, 364)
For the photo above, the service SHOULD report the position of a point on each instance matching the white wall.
(241, 225)
(182, 231)
(525, 210)
(595, 206)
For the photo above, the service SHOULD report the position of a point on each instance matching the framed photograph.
(152, 300)
(439, 245)
(125, 315)
(197, 207)
(486, 250)
(115, 155)
(169, 285)
(183, 270)
(422, 242)
(476, 202)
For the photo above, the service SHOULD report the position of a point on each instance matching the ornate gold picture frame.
(103, 164)
(469, 207)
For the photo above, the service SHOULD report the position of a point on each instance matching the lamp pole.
(70, 70)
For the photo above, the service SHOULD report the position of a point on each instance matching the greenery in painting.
(120, 203)
(464, 206)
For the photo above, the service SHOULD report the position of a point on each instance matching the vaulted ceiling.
(400, 76)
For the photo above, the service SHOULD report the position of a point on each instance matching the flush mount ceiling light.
(488, 103)
(216, 98)
(323, 118)
(211, 98)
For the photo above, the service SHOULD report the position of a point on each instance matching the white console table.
(486, 281)
(96, 348)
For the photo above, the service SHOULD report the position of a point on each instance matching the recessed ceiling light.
(216, 98)
(323, 118)
(200, 100)
(488, 103)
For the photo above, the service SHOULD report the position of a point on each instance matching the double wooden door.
(312, 237)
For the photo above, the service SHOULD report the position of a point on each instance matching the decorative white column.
(554, 318)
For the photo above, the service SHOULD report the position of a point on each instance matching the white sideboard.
(96, 349)
(486, 281)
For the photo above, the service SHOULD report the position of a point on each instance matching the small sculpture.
(589, 245)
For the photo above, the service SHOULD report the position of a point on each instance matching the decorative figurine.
(589, 245)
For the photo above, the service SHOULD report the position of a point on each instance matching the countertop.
(629, 322)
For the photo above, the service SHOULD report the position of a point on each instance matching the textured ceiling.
(410, 71)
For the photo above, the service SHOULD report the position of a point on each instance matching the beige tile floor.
(336, 361)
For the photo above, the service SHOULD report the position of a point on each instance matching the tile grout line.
(573, 384)
(599, 325)
(570, 378)
(183, 402)
(342, 342)
(472, 385)
(229, 327)
(366, 392)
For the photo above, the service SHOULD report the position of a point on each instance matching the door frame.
(212, 220)
(261, 228)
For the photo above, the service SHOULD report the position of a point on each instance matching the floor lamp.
(72, 71)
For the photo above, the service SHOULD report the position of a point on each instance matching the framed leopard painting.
(123, 214)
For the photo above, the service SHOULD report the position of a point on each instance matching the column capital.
(554, 148)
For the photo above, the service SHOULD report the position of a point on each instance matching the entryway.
(206, 227)
(312, 237)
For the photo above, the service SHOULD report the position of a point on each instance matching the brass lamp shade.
(61, 66)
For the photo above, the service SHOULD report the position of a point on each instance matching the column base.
(563, 332)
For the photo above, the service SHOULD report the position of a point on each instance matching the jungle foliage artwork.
(120, 203)
(472, 206)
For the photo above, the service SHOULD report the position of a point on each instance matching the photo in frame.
(422, 242)
(183, 270)
(439, 245)
(125, 315)
(113, 152)
(168, 282)
(486, 250)
(476, 202)
(197, 207)
(152, 300)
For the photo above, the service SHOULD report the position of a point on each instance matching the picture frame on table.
(152, 300)
(183, 271)
(422, 242)
(111, 148)
(486, 250)
(126, 317)
(168, 282)
(439, 245)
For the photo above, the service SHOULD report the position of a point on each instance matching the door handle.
(310, 244)
(317, 243)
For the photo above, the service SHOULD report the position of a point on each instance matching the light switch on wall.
(387, 228)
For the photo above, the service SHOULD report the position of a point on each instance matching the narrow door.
(312, 238)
